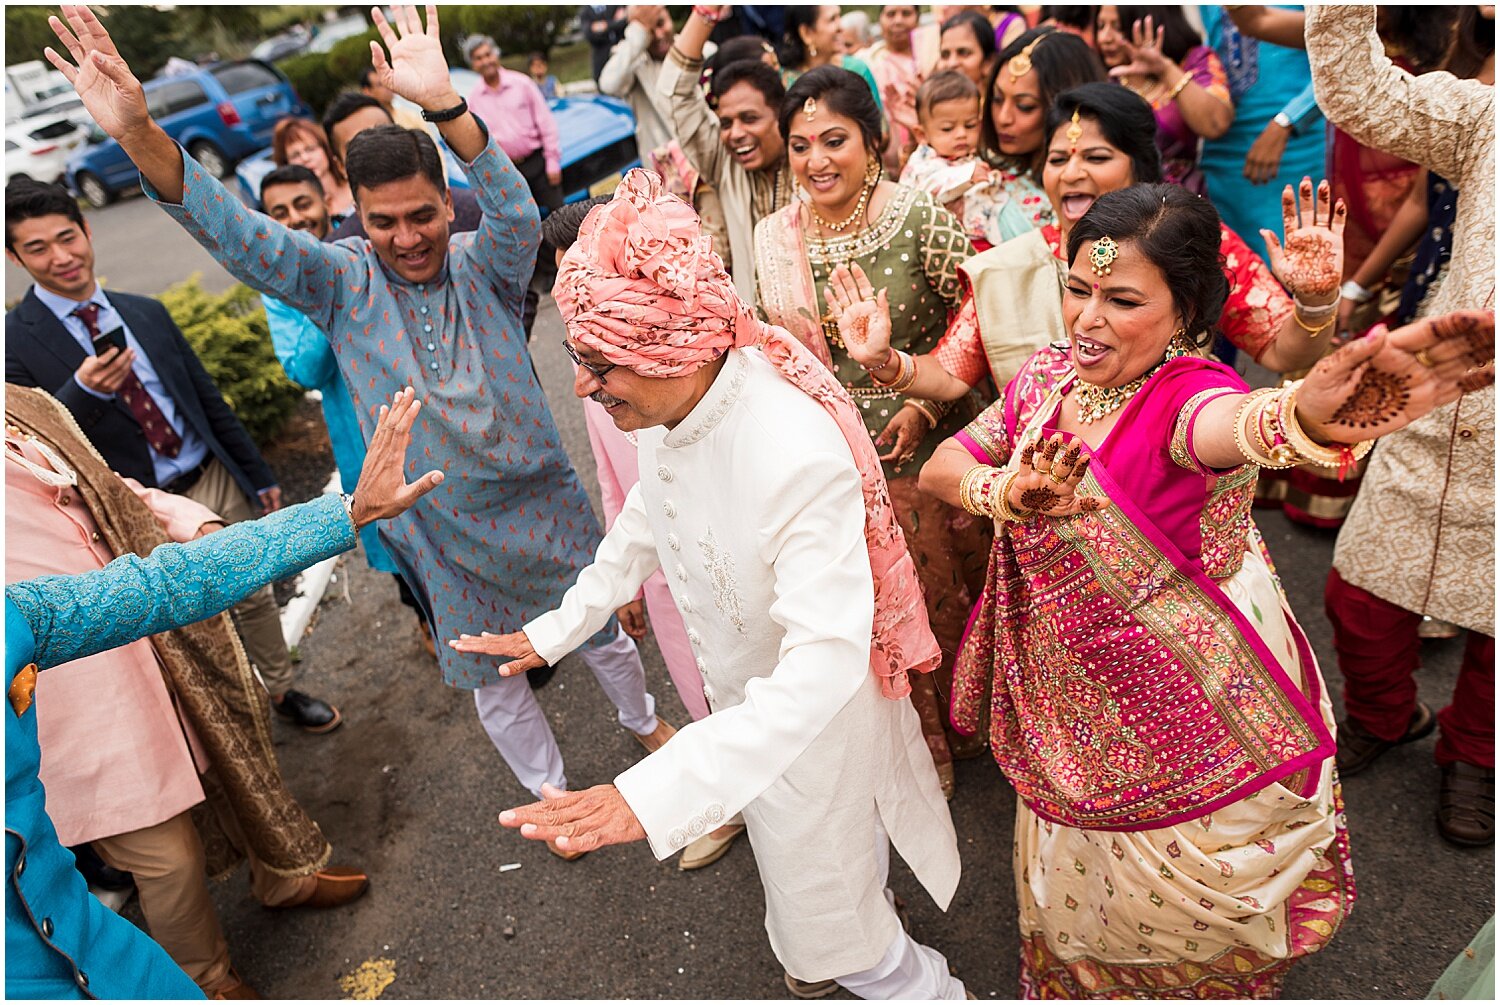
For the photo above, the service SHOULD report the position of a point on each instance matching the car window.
(53, 130)
(240, 77)
(174, 96)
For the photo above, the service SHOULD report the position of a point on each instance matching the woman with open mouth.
(1102, 140)
(849, 214)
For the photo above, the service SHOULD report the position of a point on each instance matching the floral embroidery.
(697, 826)
(1225, 522)
(720, 566)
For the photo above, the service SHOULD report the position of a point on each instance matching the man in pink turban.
(762, 499)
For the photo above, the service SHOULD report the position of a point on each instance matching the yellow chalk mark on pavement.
(370, 980)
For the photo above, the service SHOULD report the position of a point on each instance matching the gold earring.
(872, 172)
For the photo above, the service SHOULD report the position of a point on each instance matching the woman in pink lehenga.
(1149, 694)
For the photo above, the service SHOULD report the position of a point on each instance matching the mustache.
(606, 399)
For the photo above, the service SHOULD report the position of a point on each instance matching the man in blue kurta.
(511, 528)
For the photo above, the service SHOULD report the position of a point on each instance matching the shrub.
(229, 333)
(309, 74)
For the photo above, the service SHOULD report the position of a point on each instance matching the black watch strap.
(447, 114)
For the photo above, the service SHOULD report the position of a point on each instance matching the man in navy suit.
(142, 397)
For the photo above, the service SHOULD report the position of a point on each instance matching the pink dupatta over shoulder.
(1125, 689)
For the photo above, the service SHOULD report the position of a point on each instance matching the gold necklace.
(859, 211)
(1096, 402)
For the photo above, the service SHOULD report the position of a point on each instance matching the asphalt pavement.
(409, 789)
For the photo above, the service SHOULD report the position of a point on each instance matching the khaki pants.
(257, 617)
(167, 861)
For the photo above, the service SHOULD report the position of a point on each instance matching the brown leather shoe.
(1359, 748)
(232, 987)
(654, 740)
(429, 646)
(1466, 805)
(336, 886)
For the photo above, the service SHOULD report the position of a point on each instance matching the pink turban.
(643, 288)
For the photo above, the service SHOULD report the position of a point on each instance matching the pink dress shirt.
(518, 118)
(115, 755)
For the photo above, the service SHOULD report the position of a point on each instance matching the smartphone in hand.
(104, 340)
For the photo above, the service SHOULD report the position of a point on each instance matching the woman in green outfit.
(912, 247)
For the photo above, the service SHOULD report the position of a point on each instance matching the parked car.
(597, 135)
(37, 147)
(281, 46)
(67, 104)
(220, 114)
(326, 36)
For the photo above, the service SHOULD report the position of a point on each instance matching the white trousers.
(909, 971)
(510, 714)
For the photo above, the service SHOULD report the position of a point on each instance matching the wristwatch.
(1355, 292)
(447, 114)
(1283, 120)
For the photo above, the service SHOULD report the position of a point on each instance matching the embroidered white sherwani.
(752, 506)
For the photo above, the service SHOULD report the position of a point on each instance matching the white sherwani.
(752, 506)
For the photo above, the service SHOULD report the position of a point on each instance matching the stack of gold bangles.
(1267, 432)
(904, 379)
(985, 491)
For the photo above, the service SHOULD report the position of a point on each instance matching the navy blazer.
(39, 352)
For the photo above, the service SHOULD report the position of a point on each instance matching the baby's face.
(952, 127)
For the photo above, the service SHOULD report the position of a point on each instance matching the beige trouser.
(257, 616)
(167, 862)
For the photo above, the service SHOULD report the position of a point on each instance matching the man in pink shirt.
(512, 107)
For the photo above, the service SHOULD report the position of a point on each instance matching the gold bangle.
(904, 378)
(928, 410)
(966, 497)
(1252, 402)
(1000, 501)
(1333, 456)
(1186, 79)
(1312, 332)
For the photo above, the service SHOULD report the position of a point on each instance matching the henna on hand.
(1091, 504)
(1311, 263)
(1477, 379)
(1082, 467)
(1028, 454)
(1478, 338)
(1049, 451)
(1070, 456)
(1039, 500)
(1377, 399)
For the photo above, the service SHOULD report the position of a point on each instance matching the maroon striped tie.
(159, 432)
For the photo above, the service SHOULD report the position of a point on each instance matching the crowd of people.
(907, 362)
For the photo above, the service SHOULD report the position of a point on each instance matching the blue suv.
(219, 114)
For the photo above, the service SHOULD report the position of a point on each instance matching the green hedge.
(229, 333)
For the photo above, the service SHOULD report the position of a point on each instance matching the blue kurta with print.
(510, 528)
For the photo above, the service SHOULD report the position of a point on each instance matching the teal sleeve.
(177, 584)
(1304, 112)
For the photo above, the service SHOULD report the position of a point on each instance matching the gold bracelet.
(966, 497)
(1333, 456)
(1186, 79)
(929, 411)
(904, 377)
(1000, 501)
(1252, 402)
(1311, 331)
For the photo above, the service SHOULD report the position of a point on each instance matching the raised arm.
(618, 75)
(1433, 120)
(693, 122)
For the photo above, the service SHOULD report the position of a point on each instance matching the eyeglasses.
(597, 371)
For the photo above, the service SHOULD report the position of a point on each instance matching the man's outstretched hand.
(110, 93)
(577, 821)
(515, 645)
(415, 69)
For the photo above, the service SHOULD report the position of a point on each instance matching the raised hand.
(864, 319)
(1048, 475)
(110, 93)
(416, 69)
(383, 490)
(1143, 54)
(515, 645)
(577, 821)
(1311, 261)
(1386, 380)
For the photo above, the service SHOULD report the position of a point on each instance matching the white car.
(38, 147)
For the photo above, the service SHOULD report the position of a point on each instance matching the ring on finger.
(1425, 359)
(1052, 477)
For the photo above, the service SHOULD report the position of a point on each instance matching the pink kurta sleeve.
(179, 516)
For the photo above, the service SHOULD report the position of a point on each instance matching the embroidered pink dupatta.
(1125, 689)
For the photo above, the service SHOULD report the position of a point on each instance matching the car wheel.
(214, 162)
(94, 190)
